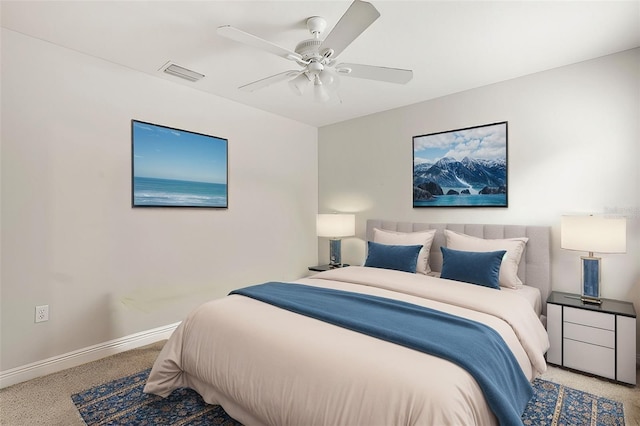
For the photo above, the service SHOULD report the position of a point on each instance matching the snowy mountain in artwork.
(470, 174)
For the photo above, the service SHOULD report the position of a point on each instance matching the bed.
(271, 365)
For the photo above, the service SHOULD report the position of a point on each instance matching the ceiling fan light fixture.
(320, 93)
(329, 79)
(315, 67)
(299, 84)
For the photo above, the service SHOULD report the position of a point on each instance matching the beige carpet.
(47, 400)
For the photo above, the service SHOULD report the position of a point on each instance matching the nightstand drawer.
(589, 318)
(590, 358)
(595, 336)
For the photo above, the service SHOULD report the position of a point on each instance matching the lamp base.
(591, 300)
(590, 279)
(335, 255)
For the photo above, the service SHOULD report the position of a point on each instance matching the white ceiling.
(450, 45)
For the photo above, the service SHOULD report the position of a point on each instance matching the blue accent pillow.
(399, 258)
(481, 268)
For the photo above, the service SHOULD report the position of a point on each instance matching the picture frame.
(462, 167)
(177, 168)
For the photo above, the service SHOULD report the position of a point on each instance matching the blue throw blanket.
(473, 346)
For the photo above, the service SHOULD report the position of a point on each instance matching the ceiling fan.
(317, 57)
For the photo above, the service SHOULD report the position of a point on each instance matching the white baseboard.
(82, 356)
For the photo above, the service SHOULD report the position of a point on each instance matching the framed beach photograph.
(461, 168)
(177, 168)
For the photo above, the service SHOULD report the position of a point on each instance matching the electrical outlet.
(42, 313)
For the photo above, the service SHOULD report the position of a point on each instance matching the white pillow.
(509, 267)
(424, 238)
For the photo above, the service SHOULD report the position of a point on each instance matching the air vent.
(182, 72)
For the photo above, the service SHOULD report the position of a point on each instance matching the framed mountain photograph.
(177, 168)
(461, 168)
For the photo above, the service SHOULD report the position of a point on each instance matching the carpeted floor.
(47, 400)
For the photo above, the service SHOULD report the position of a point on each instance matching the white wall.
(574, 147)
(70, 238)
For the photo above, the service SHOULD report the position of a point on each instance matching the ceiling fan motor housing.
(308, 49)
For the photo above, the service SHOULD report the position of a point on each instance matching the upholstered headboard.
(535, 266)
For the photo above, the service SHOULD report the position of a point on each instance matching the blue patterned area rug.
(554, 404)
(122, 402)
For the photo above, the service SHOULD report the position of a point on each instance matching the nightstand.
(322, 268)
(595, 339)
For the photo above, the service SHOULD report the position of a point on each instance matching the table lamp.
(599, 234)
(335, 226)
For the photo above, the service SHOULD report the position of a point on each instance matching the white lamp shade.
(336, 225)
(599, 234)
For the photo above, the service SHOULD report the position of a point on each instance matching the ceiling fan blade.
(235, 34)
(370, 72)
(268, 81)
(353, 23)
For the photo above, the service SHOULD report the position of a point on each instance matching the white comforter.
(269, 366)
